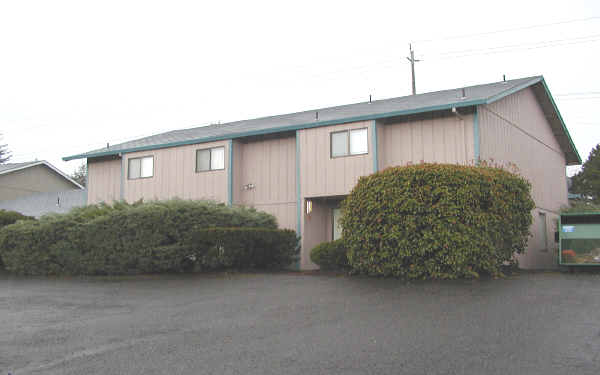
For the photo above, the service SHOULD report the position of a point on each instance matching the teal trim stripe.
(122, 191)
(298, 197)
(298, 194)
(512, 90)
(279, 129)
(476, 135)
(230, 174)
(562, 122)
(375, 148)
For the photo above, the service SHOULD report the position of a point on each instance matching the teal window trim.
(230, 173)
(476, 139)
(375, 147)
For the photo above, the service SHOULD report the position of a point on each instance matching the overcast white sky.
(75, 75)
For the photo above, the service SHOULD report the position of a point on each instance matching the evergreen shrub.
(120, 238)
(330, 255)
(241, 248)
(436, 221)
(11, 217)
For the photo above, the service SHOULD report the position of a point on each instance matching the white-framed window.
(142, 167)
(210, 159)
(349, 142)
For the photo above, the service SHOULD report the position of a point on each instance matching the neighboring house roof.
(13, 167)
(413, 104)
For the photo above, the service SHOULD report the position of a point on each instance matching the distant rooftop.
(13, 167)
(9, 166)
(427, 102)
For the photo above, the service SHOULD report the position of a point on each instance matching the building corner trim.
(298, 265)
(298, 194)
(375, 147)
(122, 190)
(230, 174)
(87, 182)
(476, 136)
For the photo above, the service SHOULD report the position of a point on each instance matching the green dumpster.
(579, 239)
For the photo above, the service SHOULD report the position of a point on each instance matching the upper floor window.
(141, 167)
(210, 159)
(349, 142)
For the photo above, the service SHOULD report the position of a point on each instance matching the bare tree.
(80, 174)
(4, 153)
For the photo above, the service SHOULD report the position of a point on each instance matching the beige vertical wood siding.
(515, 130)
(315, 229)
(104, 180)
(238, 150)
(322, 175)
(269, 165)
(432, 139)
(175, 175)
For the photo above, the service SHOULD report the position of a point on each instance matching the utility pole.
(412, 67)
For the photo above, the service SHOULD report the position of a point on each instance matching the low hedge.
(120, 238)
(330, 255)
(218, 248)
(436, 221)
(11, 217)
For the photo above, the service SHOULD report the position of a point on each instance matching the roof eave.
(377, 116)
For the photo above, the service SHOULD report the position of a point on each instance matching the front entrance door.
(337, 229)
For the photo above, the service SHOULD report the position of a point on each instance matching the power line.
(579, 38)
(508, 30)
(582, 98)
(516, 47)
(581, 93)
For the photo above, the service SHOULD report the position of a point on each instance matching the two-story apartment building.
(300, 166)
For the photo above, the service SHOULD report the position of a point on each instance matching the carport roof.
(406, 105)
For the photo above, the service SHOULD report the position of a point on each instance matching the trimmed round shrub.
(330, 255)
(118, 239)
(436, 221)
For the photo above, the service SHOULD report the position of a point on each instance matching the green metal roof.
(407, 105)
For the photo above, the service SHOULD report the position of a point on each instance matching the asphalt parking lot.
(532, 323)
